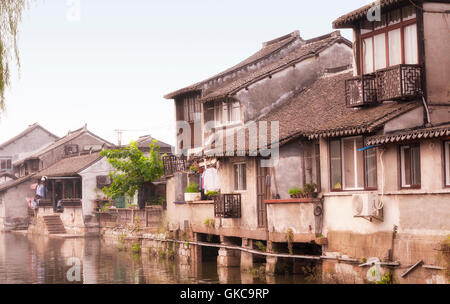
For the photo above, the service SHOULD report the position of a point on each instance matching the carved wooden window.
(240, 177)
(71, 149)
(5, 164)
(103, 181)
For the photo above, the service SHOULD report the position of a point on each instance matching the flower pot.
(321, 241)
(191, 197)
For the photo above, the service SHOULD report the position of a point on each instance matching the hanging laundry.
(211, 180)
(40, 190)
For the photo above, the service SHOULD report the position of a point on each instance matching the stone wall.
(14, 207)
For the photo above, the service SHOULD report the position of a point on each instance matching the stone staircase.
(54, 224)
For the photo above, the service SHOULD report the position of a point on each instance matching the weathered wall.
(299, 217)
(288, 172)
(57, 154)
(262, 96)
(177, 213)
(411, 119)
(31, 142)
(249, 219)
(437, 46)
(419, 216)
(89, 183)
(15, 207)
(209, 86)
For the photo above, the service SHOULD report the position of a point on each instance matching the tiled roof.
(420, 133)
(320, 111)
(8, 174)
(309, 49)
(268, 49)
(70, 166)
(347, 20)
(25, 132)
(70, 136)
(13, 183)
(146, 140)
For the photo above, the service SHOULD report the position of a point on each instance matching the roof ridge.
(323, 37)
(284, 37)
(242, 64)
(25, 132)
(274, 67)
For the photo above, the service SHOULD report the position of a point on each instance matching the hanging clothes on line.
(211, 180)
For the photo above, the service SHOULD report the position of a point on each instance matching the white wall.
(89, 183)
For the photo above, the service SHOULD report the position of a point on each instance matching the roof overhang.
(181, 92)
(416, 134)
(349, 20)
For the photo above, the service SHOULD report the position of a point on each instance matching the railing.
(150, 217)
(45, 203)
(400, 82)
(71, 202)
(227, 206)
(360, 91)
(173, 164)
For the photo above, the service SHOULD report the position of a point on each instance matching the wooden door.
(262, 192)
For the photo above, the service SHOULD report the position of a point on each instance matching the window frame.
(402, 24)
(7, 161)
(365, 188)
(239, 164)
(446, 162)
(400, 167)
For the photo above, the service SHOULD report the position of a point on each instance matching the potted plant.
(193, 170)
(310, 190)
(296, 192)
(192, 193)
(210, 194)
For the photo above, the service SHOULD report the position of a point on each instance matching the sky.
(108, 63)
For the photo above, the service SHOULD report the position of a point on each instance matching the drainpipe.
(425, 105)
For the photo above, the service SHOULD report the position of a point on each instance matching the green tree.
(10, 17)
(132, 169)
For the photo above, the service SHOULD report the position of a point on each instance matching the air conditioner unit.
(368, 206)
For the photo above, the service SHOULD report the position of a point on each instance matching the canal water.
(43, 260)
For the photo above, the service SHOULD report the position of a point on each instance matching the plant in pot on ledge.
(296, 192)
(211, 194)
(192, 194)
(310, 190)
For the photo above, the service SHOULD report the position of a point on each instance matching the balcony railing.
(227, 206)
(71, 202)
(400, 82)
(173, 164)
(361, 91)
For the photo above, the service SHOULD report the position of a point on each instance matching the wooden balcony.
(227, 206)
(400, 82)
(360, 91)
(173, 164)
(71, 202)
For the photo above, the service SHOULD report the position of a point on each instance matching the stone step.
(54, 224)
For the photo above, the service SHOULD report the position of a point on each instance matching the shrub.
(192, 188)
(310, 188)
(295, 191)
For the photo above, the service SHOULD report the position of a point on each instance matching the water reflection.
(43, 260)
